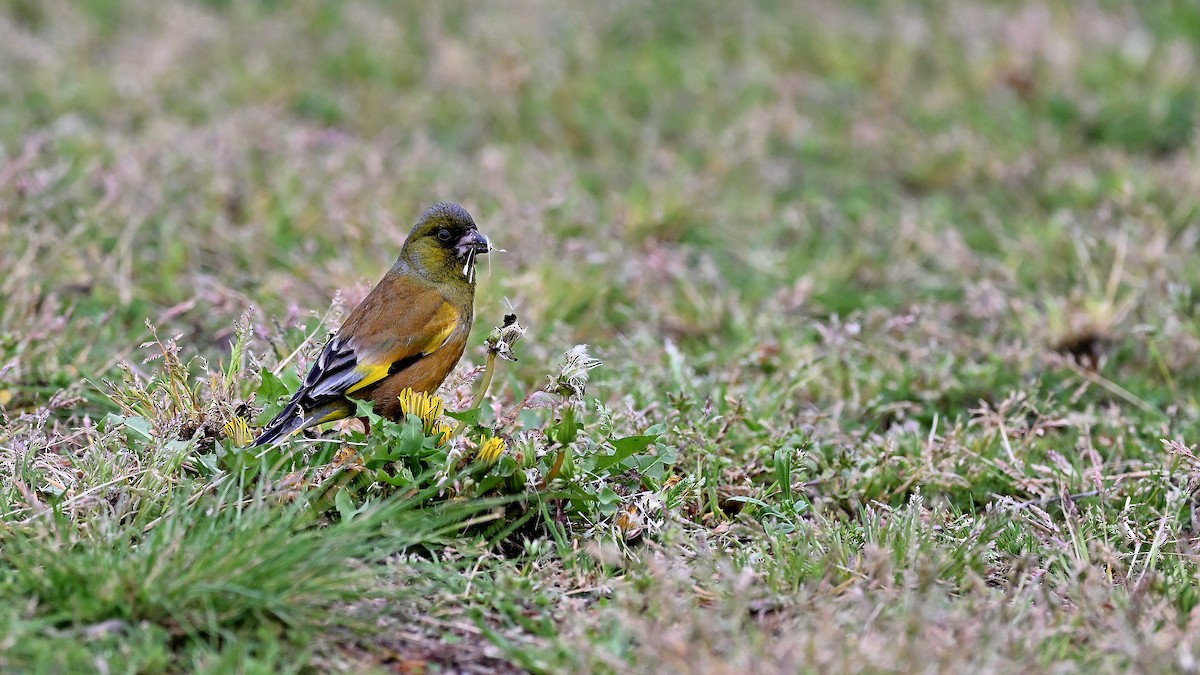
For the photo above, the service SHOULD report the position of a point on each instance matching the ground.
(897, 304)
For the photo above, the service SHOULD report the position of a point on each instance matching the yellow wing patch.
(444, 322)
(442, 325)
(371, 375)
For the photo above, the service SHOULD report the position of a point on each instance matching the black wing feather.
(326, 382)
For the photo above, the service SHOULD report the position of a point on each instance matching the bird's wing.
(398, 323)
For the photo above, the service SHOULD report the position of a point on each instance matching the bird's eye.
(444, 235)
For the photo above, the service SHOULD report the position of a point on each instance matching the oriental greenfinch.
(408, 333)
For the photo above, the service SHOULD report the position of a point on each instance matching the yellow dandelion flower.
(442, 432)
(238, 430)
(426, 407)
(491, 450)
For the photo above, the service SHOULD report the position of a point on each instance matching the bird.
(407, 333)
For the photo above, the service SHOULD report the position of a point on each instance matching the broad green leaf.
(271, 388)
(470, 417)
(344, 506)
(139, 425)
(623, 448)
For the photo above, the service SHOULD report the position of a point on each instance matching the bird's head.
(445, 243)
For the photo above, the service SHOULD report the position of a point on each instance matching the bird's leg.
(366, 425)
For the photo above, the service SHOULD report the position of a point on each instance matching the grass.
(896, 304)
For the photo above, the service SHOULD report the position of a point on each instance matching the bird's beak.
(472, 242)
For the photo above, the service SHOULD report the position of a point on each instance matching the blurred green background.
(713, 174)
(673, 168)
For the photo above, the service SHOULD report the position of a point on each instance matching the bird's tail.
(289, 421)
(292, 419)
